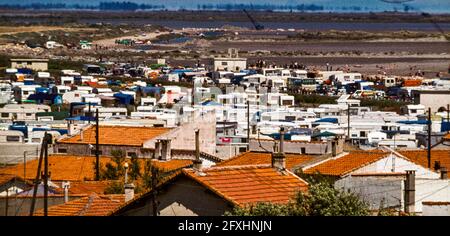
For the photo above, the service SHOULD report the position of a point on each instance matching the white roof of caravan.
(84, 88)
(418, 106)
(254, 76)
(11, 132)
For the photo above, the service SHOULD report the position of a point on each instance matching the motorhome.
(22, 111)
(346, 78)
(22, 92)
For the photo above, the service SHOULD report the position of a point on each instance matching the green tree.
(135, 168)
(322, 199)
(115, 169)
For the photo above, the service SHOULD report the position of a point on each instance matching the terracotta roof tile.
(420, 157)
(88, 187)
(93, 205)
(62, 168)
(171, 165)
(447, 137)
(81, 168)
(250, 184)
(346, 164)
(258, 158)
(116, 135)
(5, 178)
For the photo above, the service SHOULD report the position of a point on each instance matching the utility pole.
(89, 112)
(281, 140)
(25, 165)
(154, 202)
(348, 122)
(429, 138)
(410, 191)
(448, 113)
(248, 125)
(38, 174)
(97, 155)
(7, 202)
(46, 175)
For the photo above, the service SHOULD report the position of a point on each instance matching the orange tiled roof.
(93, 205)
(5, 178)
(259, 158)
(346, 164)
(420, 157)
(447, 137)
(88, 187)
(81, 168)
(62, 167)
(250, 184)
(116, 135)
(171, 165)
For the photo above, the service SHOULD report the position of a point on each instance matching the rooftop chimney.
(157, 154)
(334, 148)
(281, 139)
(197, 162)
(444, 173)
(279, 161)
(129, 192)
(129, 187)
(165, 149)
(66, 186)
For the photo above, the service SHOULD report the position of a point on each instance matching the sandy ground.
(146, 36)
(4, 30)
(327, 47)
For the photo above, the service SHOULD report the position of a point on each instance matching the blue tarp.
(276, 136)
(323, 134)
(149, 90)
(327, 120)
(25, 71)
(445, 126)
(42, 90)
(124, 98)
(22, 128)
(81, 118)
(413, 122)
(41, 97)
(60, 131)
(210, 103)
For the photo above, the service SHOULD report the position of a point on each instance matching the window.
(302, 150)
(13, 138)
(36, 140)
(242, 149)
(224, 63)
(413, 110)
(354, 135)
(289, 118)
(122, 113)
(25, 92)
(5, 115)
(362, 133)
(28, 114)
(62, 150)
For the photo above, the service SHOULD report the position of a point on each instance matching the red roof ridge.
(240, 167)
(343, 155)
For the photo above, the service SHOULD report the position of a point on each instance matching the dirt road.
(145, 36)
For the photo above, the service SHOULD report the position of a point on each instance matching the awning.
(323, 134)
